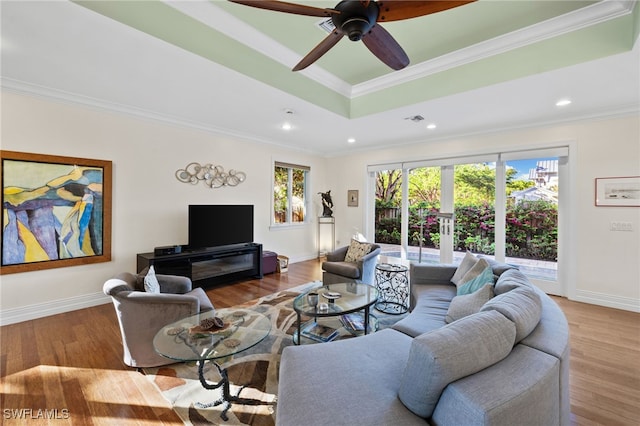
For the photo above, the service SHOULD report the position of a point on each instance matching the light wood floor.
(71, 364)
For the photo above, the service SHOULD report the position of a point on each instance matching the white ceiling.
(68, 52)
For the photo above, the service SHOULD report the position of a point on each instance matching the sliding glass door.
(474, 191)
(424, 208)
(531, 215)
(506, 206)
(388, 211)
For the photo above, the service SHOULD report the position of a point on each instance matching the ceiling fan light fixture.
(355, 28)
(355, 19)
(563, 102)
(431, 126)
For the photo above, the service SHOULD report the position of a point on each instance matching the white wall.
(606, 264)
(149, 204)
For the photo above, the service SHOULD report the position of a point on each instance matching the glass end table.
(333, 300)
(184, 341)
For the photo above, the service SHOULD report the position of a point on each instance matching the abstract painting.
(56, 211)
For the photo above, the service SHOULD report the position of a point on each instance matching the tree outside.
(282, 200)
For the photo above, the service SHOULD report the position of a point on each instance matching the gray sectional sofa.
(504, 361)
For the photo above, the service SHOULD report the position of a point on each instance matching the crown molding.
(620, 111)
(222, 21)
(554, 27)
(47, 93)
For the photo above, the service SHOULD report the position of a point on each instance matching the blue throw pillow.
(471, 286)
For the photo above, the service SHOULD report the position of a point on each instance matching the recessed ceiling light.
(351, 140)
(431, 126)
(287, 124)
(563, 102)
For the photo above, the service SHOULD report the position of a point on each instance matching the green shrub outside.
(531, 228)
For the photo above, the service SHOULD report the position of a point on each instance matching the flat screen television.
(219, 225)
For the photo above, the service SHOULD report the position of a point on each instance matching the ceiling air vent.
(415, 118)
(326, 25)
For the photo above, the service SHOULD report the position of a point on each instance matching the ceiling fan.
(358, 19)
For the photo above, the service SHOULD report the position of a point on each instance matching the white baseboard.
(594, 298)
(39, 310)
(302, 258)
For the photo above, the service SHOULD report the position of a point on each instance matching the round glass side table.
(181, 341)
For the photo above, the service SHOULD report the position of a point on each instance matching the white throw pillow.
(151, 284)
(357, 251)
(467, 263)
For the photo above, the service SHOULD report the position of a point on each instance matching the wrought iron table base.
(392, 283)
(392, 308)
(227, 398)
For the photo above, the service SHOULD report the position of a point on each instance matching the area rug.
(256, 369)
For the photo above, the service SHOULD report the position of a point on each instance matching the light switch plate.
(621, 226)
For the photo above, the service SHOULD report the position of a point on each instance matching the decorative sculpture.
(212, 176)
(327, 204)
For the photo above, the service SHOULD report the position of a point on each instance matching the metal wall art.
(212, 176)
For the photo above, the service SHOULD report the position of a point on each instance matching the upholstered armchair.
(141, 314)
(351, 264)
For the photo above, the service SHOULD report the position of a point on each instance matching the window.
(290, 182)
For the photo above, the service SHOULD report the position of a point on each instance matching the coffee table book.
(353, 322)
(319, 332)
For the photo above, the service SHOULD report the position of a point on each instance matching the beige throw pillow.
(357, 251)
(468, 304)
(475, 271)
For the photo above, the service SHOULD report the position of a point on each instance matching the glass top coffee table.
(186, 340)
(334, 300)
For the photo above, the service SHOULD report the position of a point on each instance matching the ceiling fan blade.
(322, 48)
(281, 6)
(395, 10)
(385, 47)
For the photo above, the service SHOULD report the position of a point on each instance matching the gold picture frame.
(56, 211)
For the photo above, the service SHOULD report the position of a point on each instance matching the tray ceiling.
(466, 50)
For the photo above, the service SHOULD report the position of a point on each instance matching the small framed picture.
(618, 191)
(352, 198)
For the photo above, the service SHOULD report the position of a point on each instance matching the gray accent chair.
(336, 270)
(142, 314)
